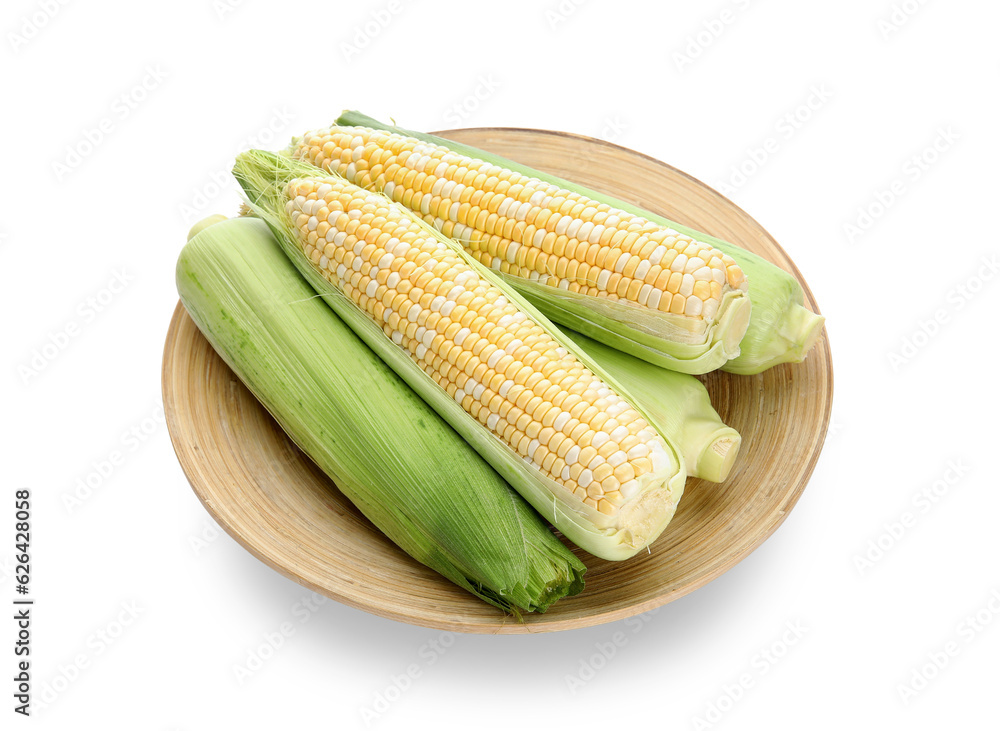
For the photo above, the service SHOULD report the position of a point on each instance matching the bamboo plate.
(282, 509)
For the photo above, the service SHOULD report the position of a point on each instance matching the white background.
(885, 84)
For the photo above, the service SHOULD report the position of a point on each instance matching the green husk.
(781, 329)
(263, 176)
(679, 406)
(388, 452)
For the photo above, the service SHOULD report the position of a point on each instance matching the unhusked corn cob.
(572, 255)
(504, 377)
(781, 329)
(389, 453)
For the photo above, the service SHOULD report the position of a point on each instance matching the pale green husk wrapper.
(264, 175)
(780, 330)
(410, 473)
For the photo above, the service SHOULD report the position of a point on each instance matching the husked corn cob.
(781, 329)
(406, 469)
(575, 256)
(537, 408)
(501, 367)
(530, 229)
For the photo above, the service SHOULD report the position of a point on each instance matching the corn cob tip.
(803, 328)
(736, 318)
(205, 223)
(717, 459)
(644, 519)
(797, 331)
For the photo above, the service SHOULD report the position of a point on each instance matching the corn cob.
(388, 452)
(781, 329)
(615, 276)
(550, 421)
(679, 407)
